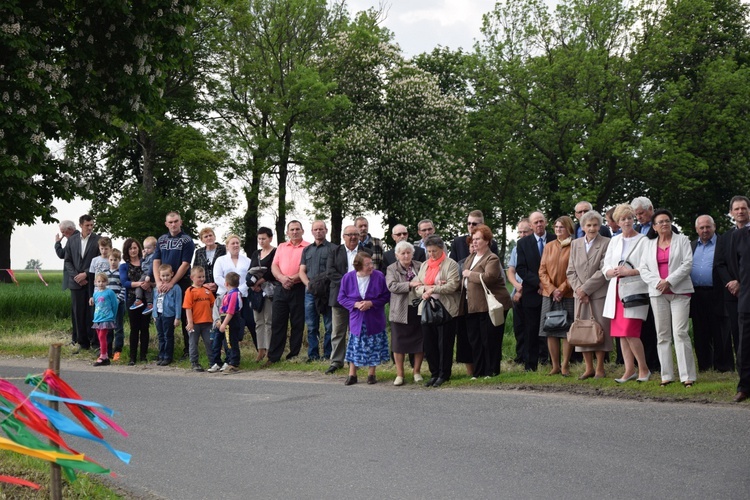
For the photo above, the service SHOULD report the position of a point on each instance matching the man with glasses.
(460, 245)
(524, 229)
(581, 208)
(400, 233)
(340, 262)
(425, 228)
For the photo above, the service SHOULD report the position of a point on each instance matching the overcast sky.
(418, 26)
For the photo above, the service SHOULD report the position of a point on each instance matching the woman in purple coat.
(364, 294)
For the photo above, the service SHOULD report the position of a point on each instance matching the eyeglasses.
(581, 211)
(662, 222)
(473, 223)
(401, 234)
(351, 235)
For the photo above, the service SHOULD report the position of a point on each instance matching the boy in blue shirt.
(166, 312)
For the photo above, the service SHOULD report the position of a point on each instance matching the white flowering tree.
(74, 69)
(387, 148)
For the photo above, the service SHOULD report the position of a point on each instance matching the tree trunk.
(147, 161)
(6, 230)
(283, 177)
(250, 220)
(337, 219)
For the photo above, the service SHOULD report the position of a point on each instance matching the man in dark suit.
(740, 255)
(739, 208)
(713, 345)
(460, 245)
(400, 233)
(529, 257)
(79, 251)
(581, 208)
(425, 228)
(340, 262)
(67, 230)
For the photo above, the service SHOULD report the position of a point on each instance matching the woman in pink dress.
(620, 261)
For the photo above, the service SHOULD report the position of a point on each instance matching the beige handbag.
(494, 307)
(585, 332)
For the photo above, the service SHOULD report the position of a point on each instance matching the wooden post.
(55, 483)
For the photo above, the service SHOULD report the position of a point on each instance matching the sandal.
(688, 383)
(665, 383)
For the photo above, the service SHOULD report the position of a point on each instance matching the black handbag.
(434, 312)
(256, 300)
(556, 320)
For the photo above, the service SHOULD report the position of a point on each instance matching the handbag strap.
(625, 260)
(486, 290)
(578, 313)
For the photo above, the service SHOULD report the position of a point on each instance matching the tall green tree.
(696, 136)
(74, 69)
(265, 82)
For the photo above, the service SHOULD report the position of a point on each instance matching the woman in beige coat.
(438, 278)
(486, 339)
(406, 332)
(590, 287)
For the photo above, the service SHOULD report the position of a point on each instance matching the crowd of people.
(636, 278)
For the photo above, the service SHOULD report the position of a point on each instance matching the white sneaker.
(417, 378)
(398, 381)
(225, 367)
(215, 368)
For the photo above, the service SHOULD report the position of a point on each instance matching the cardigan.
(401, 293)
(377, 293)
(552, 269)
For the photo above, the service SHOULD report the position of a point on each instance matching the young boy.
(198, 303)
(166, 313)
(113, 278)
(100, 263)
(147, 262)
(231, 326)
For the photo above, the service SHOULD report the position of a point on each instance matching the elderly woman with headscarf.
(483, 266)
(557, 293)
(406, 332)
(438, 279)
(590, 286)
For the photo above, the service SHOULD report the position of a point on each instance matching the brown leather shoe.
(740, 397)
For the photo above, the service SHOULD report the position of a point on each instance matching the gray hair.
(707, 217)
(403, 245)
(425, 221)
(67, 224)
(641, 202)
(434, 240)
(591, 214)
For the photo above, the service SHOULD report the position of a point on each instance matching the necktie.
(541, 246)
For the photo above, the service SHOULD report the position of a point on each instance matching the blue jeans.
(165, 332)
(312, 318)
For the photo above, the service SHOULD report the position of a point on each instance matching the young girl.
(105, 315)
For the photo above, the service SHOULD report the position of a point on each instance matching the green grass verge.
(38, 471)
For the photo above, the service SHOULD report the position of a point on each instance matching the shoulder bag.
(633, 291)
(494, 307)
(585, 332)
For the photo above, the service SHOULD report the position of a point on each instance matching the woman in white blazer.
(665, 263)
(620, 261)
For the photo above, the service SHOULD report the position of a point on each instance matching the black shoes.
(439, 382)
(331, 369)
(197, 368)
(430, 382)
(102, 362)
(371, 379)
(351, 380)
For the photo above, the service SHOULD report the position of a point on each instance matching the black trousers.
(531, 318)
(648, 338)
(438, 348)
(486, 344)
(743, 362)
(518, 332)
(138, 333)
(82, 317)
(288, 307)
(713, 344)
(734, 327)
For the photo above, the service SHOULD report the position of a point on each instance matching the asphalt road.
(277, 435)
